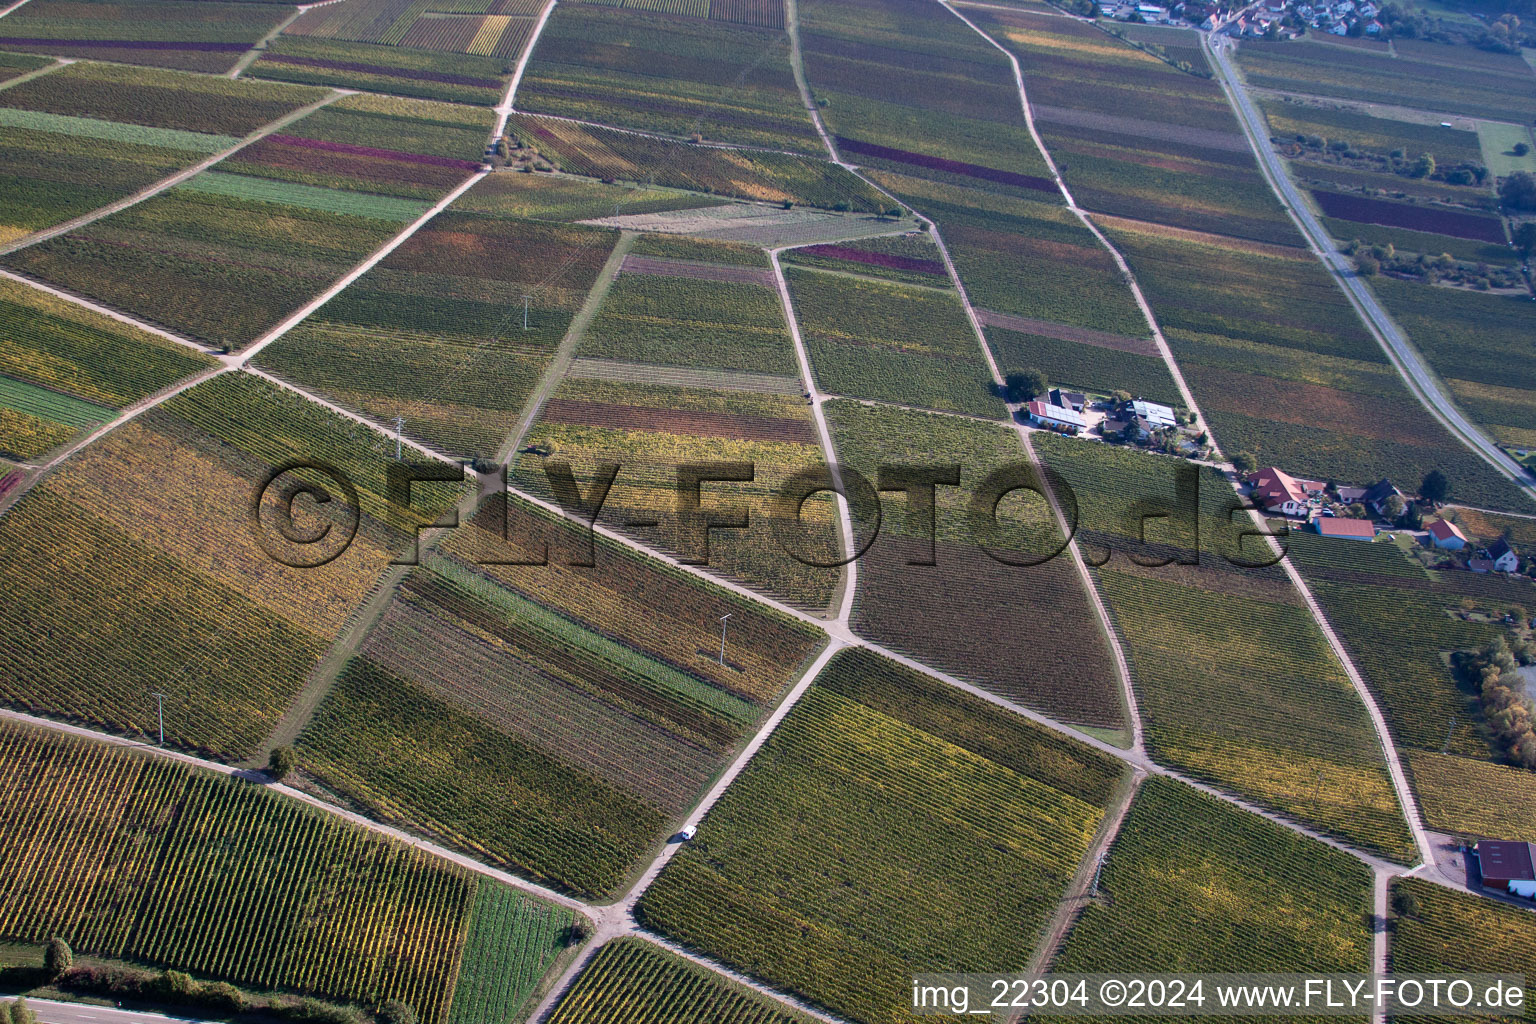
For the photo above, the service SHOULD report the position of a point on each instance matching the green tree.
(1435, 487)
(1023, 385)
(1243, 462)
(1522, 148)
(1525, 239)
(281, 761)
(396, 1012)
(21, 1013)
(1405, 903)
(1394, 507)
(1424, 166)
(1518, 191)
(58, 957)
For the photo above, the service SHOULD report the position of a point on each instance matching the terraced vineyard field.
(1235, 681)
(428, 74)
(435, 334)
(651, 429)
(1471, 798)
(138, 858)
(909, 87)
(134, 568)
(1185, 857)
(1505, 91)
(1139, 138)
(866, 804)
(726, 82)
(191, 35)
(632, 981)
(1395, 619)
(580, 729)
(411, 148)
(221, 258)
(70, 358)
(89, 134)
(891, 342)
(1461, 933)
(910, 258)
(744, 174)
(1025, 632)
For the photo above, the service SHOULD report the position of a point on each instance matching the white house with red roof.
(1275, 490)
(1444, 534)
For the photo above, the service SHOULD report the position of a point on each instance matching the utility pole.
(399, 426)
(160, 708)
(525, 312)
(1097, 871)
(1447, 744)
(722, 636)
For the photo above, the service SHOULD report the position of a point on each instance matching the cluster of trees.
(180, 989)
(1398, 161)
(1505, 35)
(1518, 192)
(1506, 706)
(1380, 258)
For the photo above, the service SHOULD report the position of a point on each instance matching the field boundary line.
(1412, 368)
(506, 108)
(298, 316)
(149, 192)
(1405, 797)
(848, 583)
(1075, 900)
(12, 7)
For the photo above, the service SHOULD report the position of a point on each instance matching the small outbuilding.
(1057, 417)
(1507, 865)
(1444, 534)
(1349, 529)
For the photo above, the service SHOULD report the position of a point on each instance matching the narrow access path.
(259, 46)
(1410, 365)
(1080, 889)
(1380, 880)
(12, 7)
(51, 1011)
(302, 313)
(171, 182)
(1395, 772)
(505, 108)
(850, 576)
(27, 76)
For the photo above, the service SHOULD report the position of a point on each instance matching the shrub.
(395, 1011)
(281, 761)
(58, 957)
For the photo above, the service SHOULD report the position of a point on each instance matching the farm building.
(1508, 866)
(1444, 534)
(1375, 496)
(1350, 529)
(1056, 417)
(1350, 495)
(1159, 416)
(1275, 490)
(1074, 400)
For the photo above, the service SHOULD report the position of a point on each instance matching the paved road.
(50, 1012)
(1421, 381)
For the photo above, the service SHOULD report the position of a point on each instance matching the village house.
(1276, 491)
(1508, 866)
(1444, 534)
(1349, 529)
(1160, 416)
(1056, 417)
(1499, 557)
(1375, 496)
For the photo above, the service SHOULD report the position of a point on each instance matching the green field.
(1498, 142)
(883, 795)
